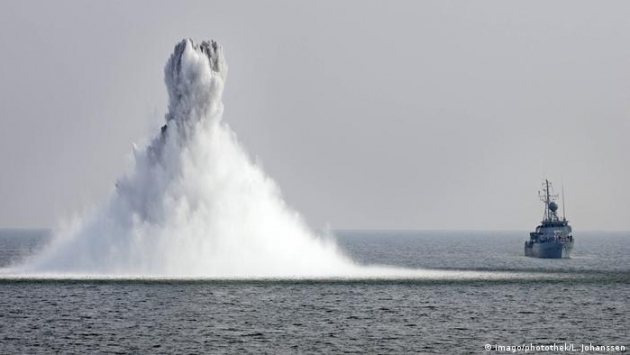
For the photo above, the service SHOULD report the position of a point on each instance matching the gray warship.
(552, 239)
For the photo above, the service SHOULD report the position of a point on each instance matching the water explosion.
(194, 204)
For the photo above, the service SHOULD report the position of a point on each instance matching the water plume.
(194, 204)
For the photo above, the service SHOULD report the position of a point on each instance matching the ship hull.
(549, 250)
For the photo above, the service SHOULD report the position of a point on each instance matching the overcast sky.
(385, 114)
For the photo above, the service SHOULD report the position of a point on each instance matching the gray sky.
(428, 115)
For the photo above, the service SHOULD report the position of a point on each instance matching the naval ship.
(552, 238)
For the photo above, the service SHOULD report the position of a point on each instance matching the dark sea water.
(582, 300)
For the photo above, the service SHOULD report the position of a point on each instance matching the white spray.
(194, 204)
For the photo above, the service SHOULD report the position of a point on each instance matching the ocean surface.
(532, 302)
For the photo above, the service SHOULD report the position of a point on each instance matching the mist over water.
(194, 204)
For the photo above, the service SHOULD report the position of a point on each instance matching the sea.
(533, 306)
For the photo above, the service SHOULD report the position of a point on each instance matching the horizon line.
(383, 229)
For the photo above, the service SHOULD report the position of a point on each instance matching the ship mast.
(547, 198)
(547, 201)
